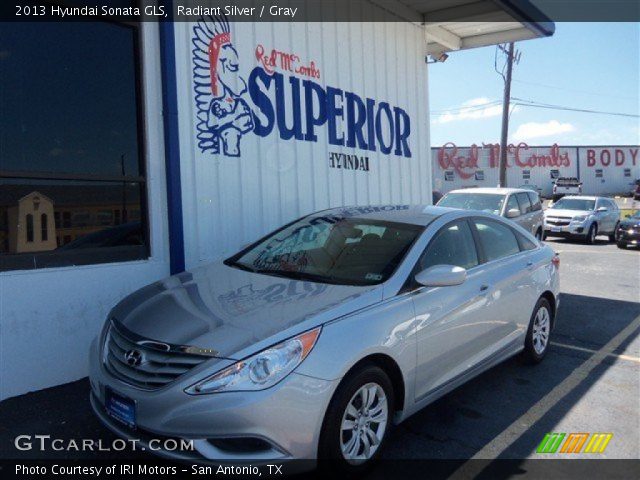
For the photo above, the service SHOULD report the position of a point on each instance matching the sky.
(592, 66)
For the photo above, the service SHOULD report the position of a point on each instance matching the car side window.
(536, 205)
(452, 245)
(525, 243)
(512, 203)
(497, 240)
(525, 203)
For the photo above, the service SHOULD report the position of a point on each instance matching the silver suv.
(518, 204)
(582, 217)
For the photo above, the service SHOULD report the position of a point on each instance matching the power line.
(531, 103)
(573, 90)
(528, 103)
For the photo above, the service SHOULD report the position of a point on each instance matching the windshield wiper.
(240, 266)
(293, 275)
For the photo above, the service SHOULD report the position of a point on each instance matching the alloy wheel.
(364, 423)
(541, 327)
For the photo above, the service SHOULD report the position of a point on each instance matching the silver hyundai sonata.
(318, 338)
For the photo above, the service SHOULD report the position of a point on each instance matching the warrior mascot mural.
(223, 115)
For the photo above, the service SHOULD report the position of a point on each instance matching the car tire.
(539, 234)
(612, 235)
(621, 245)
(538, 337)
(347, 427)
(590, 239)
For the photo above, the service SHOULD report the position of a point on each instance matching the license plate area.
(120, 408)
(556, 229)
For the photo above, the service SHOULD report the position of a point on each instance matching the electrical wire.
(530, 103)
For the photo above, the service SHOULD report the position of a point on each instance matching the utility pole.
(505, 116)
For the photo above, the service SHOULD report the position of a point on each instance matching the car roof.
(414, 214)
(498, 190)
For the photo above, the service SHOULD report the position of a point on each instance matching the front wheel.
(358, 420)
(537, 341)
(621, 245)
(612, 235)
(591, 234)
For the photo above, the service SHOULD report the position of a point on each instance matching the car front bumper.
(628, 236)
(571, 230)
(285, 420)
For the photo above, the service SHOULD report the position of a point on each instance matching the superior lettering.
(351, 121)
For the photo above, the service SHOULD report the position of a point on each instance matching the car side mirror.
(513, 213)
(602, 209)
(441, 276)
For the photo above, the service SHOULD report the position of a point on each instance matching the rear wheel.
(591, 234)
(358, 420)
(621, 245)
(537, 341)
(539, 235)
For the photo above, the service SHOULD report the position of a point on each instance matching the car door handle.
(484, 288)
(529, 264)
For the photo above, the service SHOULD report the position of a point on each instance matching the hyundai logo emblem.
(133, 357)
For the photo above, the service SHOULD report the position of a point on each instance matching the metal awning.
(462, 24)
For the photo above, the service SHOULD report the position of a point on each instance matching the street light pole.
(505, 117)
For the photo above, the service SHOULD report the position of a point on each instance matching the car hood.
(228, 310)
(630, 223)
(552, 212)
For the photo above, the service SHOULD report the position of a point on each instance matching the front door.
(450, 320)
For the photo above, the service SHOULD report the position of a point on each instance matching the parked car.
(517, 204)
(582, 217)
(628, 231)
(566, 186)
(315, 340)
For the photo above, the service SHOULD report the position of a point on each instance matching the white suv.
(518, 204)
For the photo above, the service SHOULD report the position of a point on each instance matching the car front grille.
(146, 364)
(558, 221)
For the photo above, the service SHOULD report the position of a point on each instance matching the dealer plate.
(120, 408)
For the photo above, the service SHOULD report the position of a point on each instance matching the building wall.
(231, 200)
(48, 317)
(477, 166)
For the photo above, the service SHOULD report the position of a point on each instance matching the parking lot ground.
(589, 382)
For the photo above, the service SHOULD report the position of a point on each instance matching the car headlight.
(580, 218)
(262, 370)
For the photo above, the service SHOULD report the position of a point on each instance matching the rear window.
(567, 181)
(535, 201)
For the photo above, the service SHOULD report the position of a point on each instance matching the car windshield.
(487, 202)
(635, 216)
(331, 249)
(574, 204)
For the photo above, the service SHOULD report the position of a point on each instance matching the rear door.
(526, 211)
(507, 274)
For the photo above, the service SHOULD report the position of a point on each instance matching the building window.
(29, 228)
(44, 233)
(598, 173)
(448, 176)
(627, 172)
(480, 175)
(526, 174)
(72, 133)
(555, 174)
